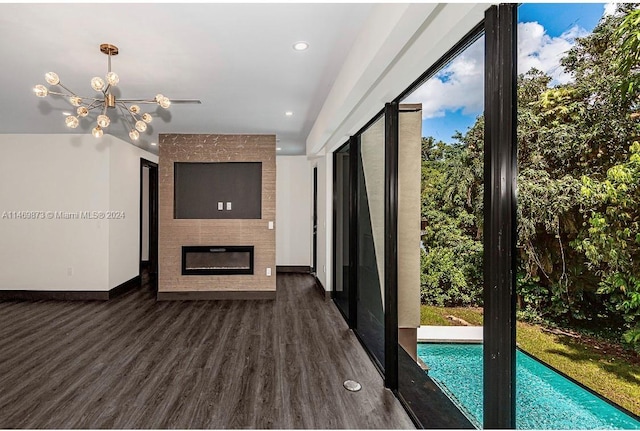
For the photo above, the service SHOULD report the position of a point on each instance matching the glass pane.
(578, 213)
(370, 237)
(440, 264)
(341, 248)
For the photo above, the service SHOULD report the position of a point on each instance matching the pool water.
(544, 398)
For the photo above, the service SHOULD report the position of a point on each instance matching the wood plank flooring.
(133, 362)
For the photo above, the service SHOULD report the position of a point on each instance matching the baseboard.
(125, 287)
(321, 290)
(293, 268)
(217, 295)
(56, 295)
(70, 295)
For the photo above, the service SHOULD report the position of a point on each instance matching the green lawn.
(606, 368)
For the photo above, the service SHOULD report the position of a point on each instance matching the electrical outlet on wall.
(228, 206)
(220, 206)
(270, 225)
(269, 272)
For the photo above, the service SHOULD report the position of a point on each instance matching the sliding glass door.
(370, 239)
(341, 222)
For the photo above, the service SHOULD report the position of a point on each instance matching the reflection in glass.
(341, 228)
(370, 238)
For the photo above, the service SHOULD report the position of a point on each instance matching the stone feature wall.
(175, 233)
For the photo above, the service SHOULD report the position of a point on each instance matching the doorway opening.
(149, 221)
(314, 262)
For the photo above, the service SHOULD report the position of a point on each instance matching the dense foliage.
(578, 192)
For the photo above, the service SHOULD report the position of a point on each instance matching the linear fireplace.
(217, 260)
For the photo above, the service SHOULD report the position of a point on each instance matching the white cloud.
(537, 49)
(610, 9)
(459, 85)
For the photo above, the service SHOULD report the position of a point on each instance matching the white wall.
(124, 196)
(294, 195)
(325, 219)
(64, 174)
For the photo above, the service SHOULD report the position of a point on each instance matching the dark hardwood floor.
(133, 362)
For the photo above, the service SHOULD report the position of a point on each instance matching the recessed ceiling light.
(288, 113)
(300, 46)
(66, 114)
(154, 144)
(278, 148)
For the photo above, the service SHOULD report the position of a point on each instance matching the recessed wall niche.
(248, 172)
(221, 190)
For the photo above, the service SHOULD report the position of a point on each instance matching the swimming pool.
(544, 398)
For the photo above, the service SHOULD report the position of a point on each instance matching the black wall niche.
(199, 188)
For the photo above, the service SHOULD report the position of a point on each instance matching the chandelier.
(129, 109)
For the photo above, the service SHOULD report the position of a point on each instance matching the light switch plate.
(228, 206)
(220, 206)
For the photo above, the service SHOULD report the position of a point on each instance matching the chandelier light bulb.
(97, 132)
(146, 117)
(52, 78)
(141, 126)
(158, 98)
(103, 121)
(97, 83)
(165, 102)
(112, 79)
(82, 111)
(134, 135)
(40, 90)
(71, 122)
(134, 109)
(75, 101)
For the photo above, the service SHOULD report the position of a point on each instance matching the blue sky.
(545, 32)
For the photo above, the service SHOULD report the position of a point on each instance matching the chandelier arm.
(91, 105)
(126, 108)
(89, 98)
(93, 98)
(124, 116)
(137, 101)
(57, 93)
(135, 119)
(63, 86)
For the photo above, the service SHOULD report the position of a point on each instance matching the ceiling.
(237, 58)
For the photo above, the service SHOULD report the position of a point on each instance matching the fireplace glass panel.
(212, 260)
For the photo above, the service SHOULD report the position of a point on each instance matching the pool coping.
(450, 334)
